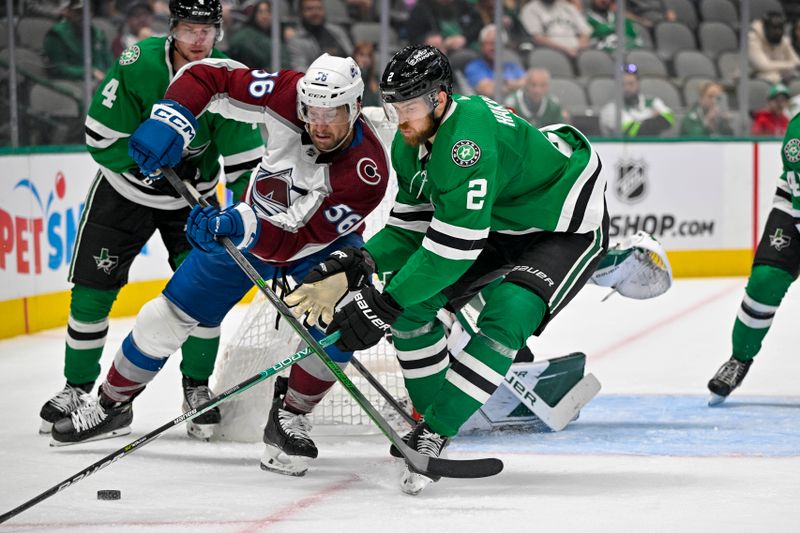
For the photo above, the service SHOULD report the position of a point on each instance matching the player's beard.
(418, 138)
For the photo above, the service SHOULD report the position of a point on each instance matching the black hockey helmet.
(195, 11)
(415, 71)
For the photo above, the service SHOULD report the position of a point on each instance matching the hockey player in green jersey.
(775, 266)
(124, 208)
(481, 194)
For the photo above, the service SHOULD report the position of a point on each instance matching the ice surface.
(646, 455)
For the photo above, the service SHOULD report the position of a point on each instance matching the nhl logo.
(631, 186)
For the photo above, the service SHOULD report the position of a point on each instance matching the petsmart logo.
(44, 235)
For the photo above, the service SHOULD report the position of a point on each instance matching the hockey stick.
(391, 400)
(418, 463)
(558, 416)
(188, 415)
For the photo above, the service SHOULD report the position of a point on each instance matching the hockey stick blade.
(415, 460)
(188, 415)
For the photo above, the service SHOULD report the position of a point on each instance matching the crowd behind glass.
(679, 73)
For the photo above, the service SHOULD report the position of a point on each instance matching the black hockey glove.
(356, 263)
(364, 321)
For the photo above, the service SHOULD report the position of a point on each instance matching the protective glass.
(416, 108)
(324, 115)
(197, 36)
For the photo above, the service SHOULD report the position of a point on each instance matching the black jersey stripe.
(473, 377)
(454, 242)
(412, 216)
(247, 165)
(760, 315)
(786, 195)
(93, 134)
(432, 360)
(583, 200)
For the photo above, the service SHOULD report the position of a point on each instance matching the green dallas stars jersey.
(787, 196)
(488, 170)
(137, 80)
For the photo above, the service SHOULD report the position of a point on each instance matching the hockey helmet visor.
(196, 34)
(413, 109)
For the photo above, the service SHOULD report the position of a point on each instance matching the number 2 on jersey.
(477, 191)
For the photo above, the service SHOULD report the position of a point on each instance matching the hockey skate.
(196, 393)
(288, 447)
(426, 442)
(729, 376)
(61, 405)
(93, 420)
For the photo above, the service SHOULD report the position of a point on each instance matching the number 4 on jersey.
(110, 92)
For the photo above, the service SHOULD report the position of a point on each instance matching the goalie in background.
(324, 172)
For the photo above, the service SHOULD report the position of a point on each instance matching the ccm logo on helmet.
(367, 171)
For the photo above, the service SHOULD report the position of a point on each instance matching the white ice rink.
(645, 455)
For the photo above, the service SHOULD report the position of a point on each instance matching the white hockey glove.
(636, 267)
(348, 269)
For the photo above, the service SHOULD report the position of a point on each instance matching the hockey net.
(261, 340)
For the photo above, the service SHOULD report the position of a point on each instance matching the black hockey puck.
(109, 495)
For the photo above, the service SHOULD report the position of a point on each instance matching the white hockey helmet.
(330, 82)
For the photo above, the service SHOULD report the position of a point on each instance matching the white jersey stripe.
(448, 252)
(459, 232)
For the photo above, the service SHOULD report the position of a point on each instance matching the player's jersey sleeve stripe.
(100, 136)
(411, 217)
(454, 242)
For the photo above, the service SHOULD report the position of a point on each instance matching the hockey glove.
(364, 321)
(159, 141)
(239, 223)
(348, 269)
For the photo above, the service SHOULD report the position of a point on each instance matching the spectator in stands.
(63, 46)
(641, 115)
(252, 43)
(796, 37)
(315, 37)
(480, 71)
(648, 13)
(52, 9)
(707, 118)
(602, 17)
(771, 54)
(533, 101)
(449, 25)
(364, 56)
(517, 36)
(360, 10)
(556, 24)
(773, 119)
(138, 26)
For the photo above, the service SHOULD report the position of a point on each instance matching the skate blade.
(202, 432)
(716, 399)
(110, 435)
(412, 483)
(275, 460)
(45, 428)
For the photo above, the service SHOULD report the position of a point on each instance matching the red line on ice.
(683, 313)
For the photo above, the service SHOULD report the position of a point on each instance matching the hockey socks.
(86, 333)
(199, 352)
(310, 380)
(765, 290)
